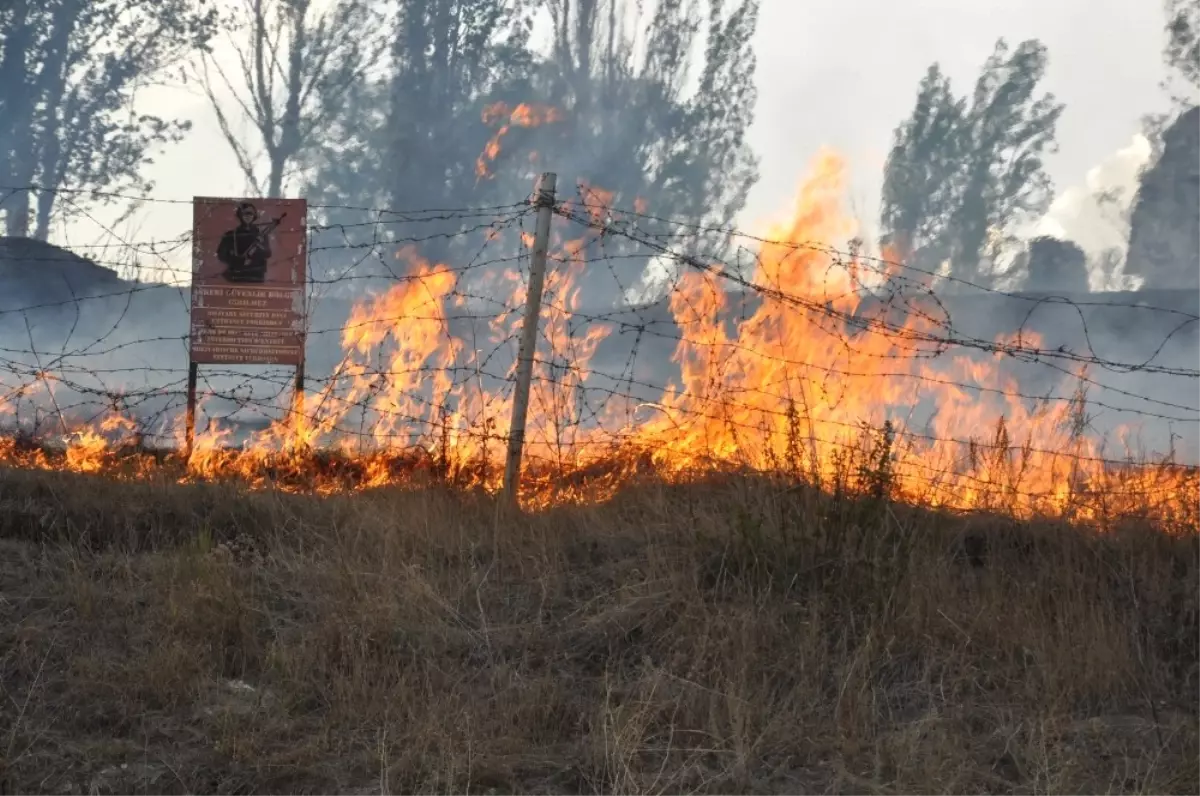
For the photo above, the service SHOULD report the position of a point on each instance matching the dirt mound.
(34, 272)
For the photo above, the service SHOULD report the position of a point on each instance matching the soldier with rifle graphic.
(246, 249)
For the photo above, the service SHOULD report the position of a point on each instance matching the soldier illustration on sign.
(246, 249)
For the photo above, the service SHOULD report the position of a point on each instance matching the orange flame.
(785, 389)
(524, 115)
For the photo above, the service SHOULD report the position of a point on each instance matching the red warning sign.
(249, 262)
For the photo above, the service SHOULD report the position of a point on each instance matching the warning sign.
(248, 274)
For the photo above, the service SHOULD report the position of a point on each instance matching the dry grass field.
(737, 635)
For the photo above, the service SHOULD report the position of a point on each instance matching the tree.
(295, 65)
(409, 136)
(1182, 51)
(661, 125)
(963, 173)
(451, 59)
(638, 127)
(1055, 266)
(68, 73)
(1181, 55)
(1165, 221)
(1163, 225)
(639, 124)
(922, 169)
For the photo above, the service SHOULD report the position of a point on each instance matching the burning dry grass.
(737, 635)
(845, 393)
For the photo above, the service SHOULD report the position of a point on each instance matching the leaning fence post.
(544, 198)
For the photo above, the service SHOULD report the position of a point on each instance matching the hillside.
(732, 636)
(36, 273)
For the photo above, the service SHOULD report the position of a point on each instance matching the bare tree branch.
(294, 65)
(244, 159)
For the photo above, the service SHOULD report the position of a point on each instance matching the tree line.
(389, 103)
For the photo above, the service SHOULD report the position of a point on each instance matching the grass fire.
(785, 390)
(764, 576)
(835, 540)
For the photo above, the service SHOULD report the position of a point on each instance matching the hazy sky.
(845, 73)
(842, 74)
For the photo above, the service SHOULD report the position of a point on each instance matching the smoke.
(1095, 214)
(134, 341)
(1139, 341)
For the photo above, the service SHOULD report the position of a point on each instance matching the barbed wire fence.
(661, 347)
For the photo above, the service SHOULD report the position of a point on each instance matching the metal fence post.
(533, 307)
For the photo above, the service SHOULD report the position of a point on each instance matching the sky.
(843, 74)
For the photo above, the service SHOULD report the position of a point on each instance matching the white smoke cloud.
(1095, 214)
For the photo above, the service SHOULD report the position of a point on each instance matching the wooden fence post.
(533, 307)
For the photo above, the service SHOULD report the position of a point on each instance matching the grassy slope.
(730, 637)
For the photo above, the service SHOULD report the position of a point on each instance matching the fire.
(523, 115)
(789, 385)
(795, 387)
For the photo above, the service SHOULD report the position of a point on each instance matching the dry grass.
(733, 636)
